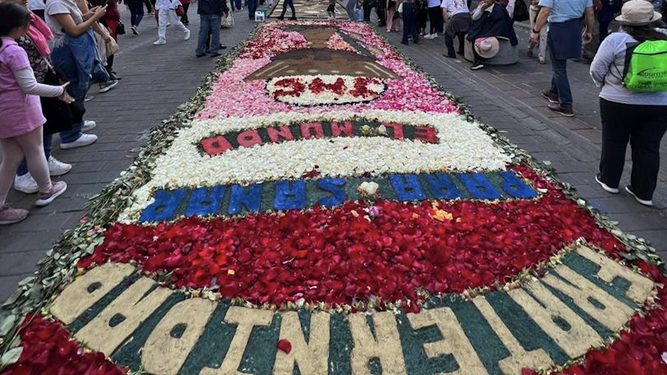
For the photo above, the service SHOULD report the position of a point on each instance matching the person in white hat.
(639, 118)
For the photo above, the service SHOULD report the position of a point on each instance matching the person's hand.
(534, 37)
(487, 4)
(587, 37)
(100, 12)
(65, 96)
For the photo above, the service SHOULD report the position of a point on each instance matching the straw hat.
(638, 13)
(486, 48)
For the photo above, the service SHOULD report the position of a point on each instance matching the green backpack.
(646, 67)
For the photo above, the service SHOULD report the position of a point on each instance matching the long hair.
(12, 16)
(644, 33)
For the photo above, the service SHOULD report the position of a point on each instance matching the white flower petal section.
(463, 147)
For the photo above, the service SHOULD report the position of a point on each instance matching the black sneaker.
(106, 86)
(477, 66)
(134, 30)
(550, 96)
(563, 110)
(200, 55)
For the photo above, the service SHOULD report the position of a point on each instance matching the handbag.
(180, 11)
(59, 115)
(228, 21)
(111, 47)
(120, 29)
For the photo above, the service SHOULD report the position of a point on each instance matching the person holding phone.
(74, 54)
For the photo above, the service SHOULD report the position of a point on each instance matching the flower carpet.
(323, 207)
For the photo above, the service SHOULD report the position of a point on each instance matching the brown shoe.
(563, 110)
(550, 96)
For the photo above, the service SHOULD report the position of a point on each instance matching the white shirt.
(36, 4)
(455, 7)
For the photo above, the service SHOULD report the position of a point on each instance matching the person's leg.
(390, 18)
(433, 17)
(449, 43)
(47, 144)
(204, 30)
(646, 134)
(12, 154)
(415, 31)
(462, 39)
(407, 22)
(185, 19)
(163, 16)
(77, 70)
(176, 21)
(367, 11)
(291, 6)
(282, 14)
(381, 13)
(215, 34)
(561, 82)
(32, 146)
(615, 136)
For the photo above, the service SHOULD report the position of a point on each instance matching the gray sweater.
(607, 72)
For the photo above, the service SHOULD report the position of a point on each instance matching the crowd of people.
(59, 50)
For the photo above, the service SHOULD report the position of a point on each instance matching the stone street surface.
(157, 79)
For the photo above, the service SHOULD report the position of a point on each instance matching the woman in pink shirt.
(21, 116)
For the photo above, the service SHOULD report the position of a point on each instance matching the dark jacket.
(217, 7)
(494, 23)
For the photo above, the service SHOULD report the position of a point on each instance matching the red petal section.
(48, 350)
(346, 254)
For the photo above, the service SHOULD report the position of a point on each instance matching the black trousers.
(641, 125)
(287, 3)
(435, 19)
(449, 43)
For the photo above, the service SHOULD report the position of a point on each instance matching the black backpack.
(520, 11)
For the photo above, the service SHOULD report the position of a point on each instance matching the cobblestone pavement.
(157, 79)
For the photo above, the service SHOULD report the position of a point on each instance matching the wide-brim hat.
(638, 13)
(486, 48)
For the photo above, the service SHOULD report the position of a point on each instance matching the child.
(332, 10)
(21, 116)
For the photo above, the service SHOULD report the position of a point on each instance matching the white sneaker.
(647, 203)
(58, 168)
(88, 125)
(26, 184)
(159, 42)
(84, 140)
(434, 35)
(428, 36)
(187, 34)
(106, 86)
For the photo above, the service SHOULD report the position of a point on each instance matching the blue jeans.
(252, 8)
(23, 167)
(409, 23)
(76, 58)
(209, 24)
(136, 11)
(237, 3)
(559, 83)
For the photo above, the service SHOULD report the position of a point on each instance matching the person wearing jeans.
(631, 117)
(136, 8)
(74, 54)
(410, 22)
(210, 12)
(564, 40)
(252, 8)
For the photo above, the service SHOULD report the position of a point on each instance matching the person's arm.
(604, 58)
(477, 13)
(66, 21)
(540, 22)
(28, 84)
(590, 23)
